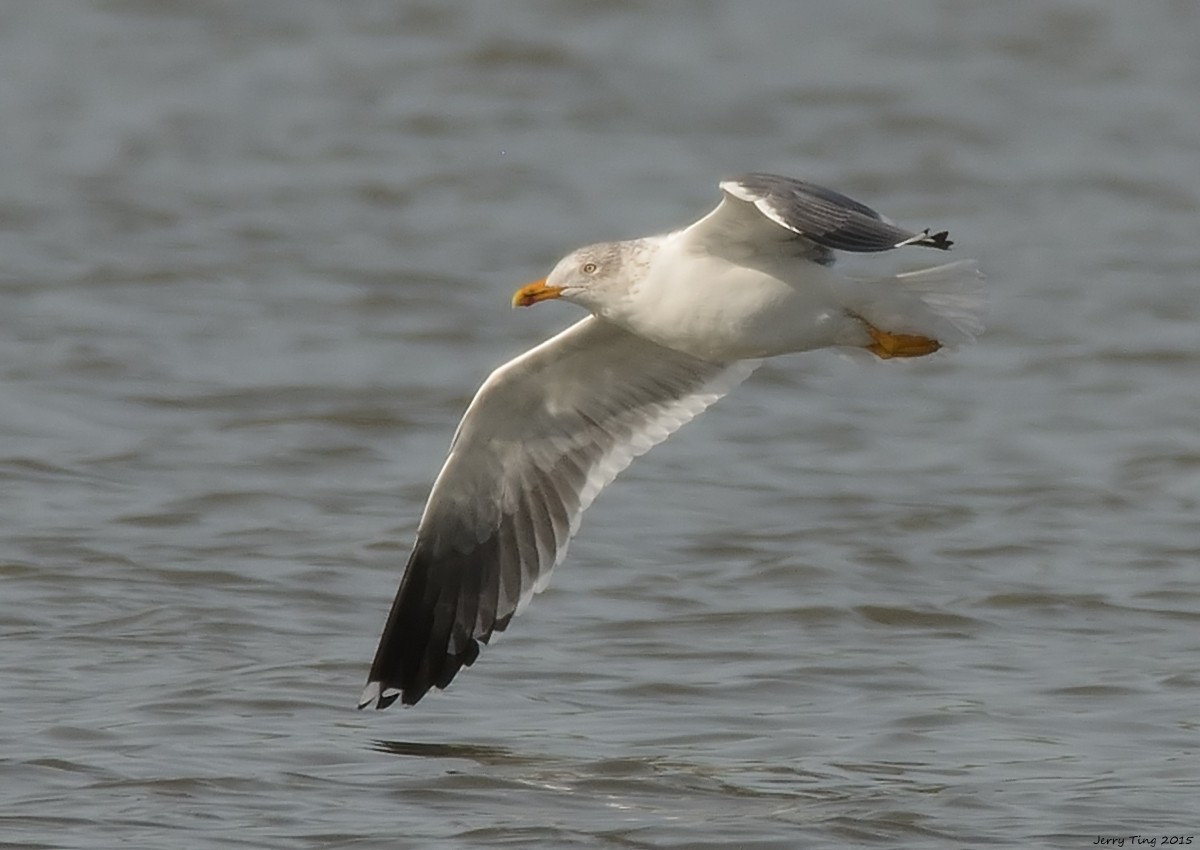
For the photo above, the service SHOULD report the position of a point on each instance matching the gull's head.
(593, 277)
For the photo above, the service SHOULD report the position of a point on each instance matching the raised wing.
(544, 434)
(761, 208)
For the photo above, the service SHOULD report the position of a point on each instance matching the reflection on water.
(482, 754)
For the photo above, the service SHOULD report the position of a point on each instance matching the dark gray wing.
(544, 434)
(827, 219)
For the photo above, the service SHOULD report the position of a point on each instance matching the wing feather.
(544, 434)
(761, 208)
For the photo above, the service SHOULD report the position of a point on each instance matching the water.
(254, 260)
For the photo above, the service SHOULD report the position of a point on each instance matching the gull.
(676, 321)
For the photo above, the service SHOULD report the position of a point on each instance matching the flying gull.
(676, 322)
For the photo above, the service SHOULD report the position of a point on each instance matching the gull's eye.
(589, 268)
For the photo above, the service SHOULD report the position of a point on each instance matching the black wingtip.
(395, 683)
(941, 241)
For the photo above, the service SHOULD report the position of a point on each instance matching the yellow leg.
(887, 345)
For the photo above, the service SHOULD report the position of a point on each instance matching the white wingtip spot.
(371, 693)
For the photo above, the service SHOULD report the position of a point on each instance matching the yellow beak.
(532, 293)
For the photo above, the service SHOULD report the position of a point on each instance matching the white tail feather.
(944, 302)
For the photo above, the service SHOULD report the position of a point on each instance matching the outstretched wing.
(760, 208)
(544, 434)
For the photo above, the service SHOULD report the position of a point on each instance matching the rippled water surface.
(256, 257)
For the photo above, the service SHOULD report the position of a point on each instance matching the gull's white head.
(593, 277)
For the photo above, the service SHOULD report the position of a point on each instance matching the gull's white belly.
(717, 310)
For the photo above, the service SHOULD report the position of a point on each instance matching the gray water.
(256, 257)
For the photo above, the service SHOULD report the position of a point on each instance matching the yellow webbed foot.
(886, 345)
